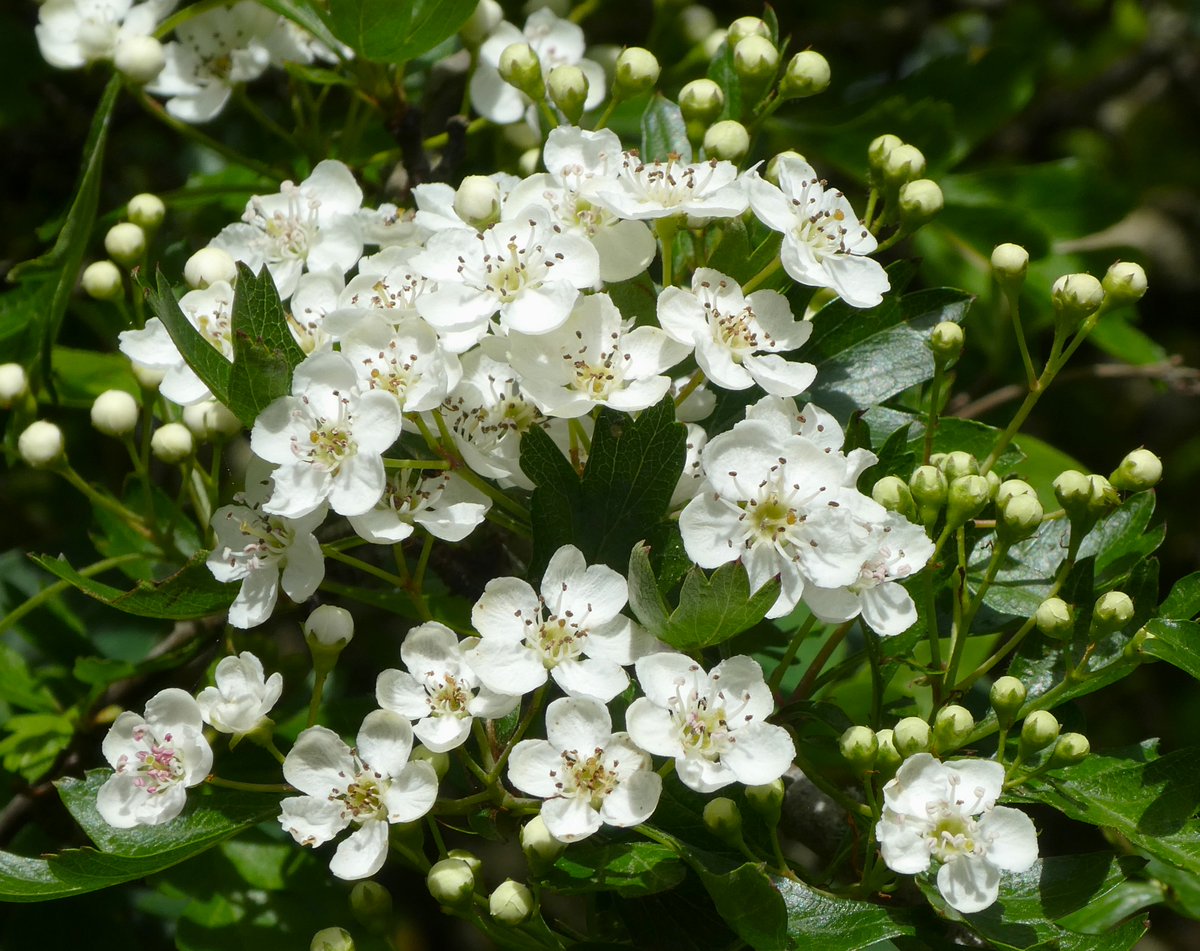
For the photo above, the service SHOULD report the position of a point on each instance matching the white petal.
(411, 793)
(760, 754)
(530, 767)
(311, 820)
(319, 762)
(1012, 839)
(570, 819)
(634, 800)
(384, 742)
(969, 884)
(363, 853)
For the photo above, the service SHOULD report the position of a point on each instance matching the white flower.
(713, 725)
(369, 786)
(649, 190)
(327, 439)
(588, 775)
(440, 690)
(242, 697)
(737, 338)
(824, 242)
(443, 503)
(948, 811)
(156, 758)
(265, 552)
(73, 33)
(402, 358)
(313, 225)
(574, 631)
(595, 358)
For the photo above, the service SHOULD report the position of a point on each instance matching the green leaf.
(307, 15)
(818, 920)
(1148, 799)
(82, 375)
(395, 31)
(22, 309)
(715, 608)
(33, 743)
(636, 299)
(191, 592)
(968, 435)
(750, 903)
(630, 869)
(206, 361)
(554, 506)
(1031, 902)
(1183, 603)
(664, 132)
(645, 599)
(1176, 642)
(19, 687)
(721, 72)
(264, 351)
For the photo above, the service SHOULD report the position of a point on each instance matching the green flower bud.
(928, 485)
(636, 72)
(1125, 282)
(540, 847)
(439, 761)
(904, 163)
(511, 903)
(767, 800)
(893, 494)
(946, 341)
(951, 727)
(451, 882)
(727, 140)
(755, 59)
(115, 413)
(806, 75)
(888, 759)
(172, 443)
(920, 200)
(477, 201)
(568, 89)
(1010, 488)
(463, 855)
(1113, 611)
(772, 172)
(332, 939)
(723, 819)
(859, 746)
(41, 445)
(966, 499)
(1070, 749)
(1010, 262)
(697, 23)
(911, 736)
(1075, 296)
(743, 27)
(1039, 730)
(1055, 618)
(1007, 696)
(1138, 471)
(146, 211)
(1019, 518)
(328, 630)
(1134, 647)
(701, 101)
(993, 481)
(101, 280)
(14, 384)
(520, 67)
(1085, 497)
(958, 464)
(207, 266)
(879, 149)
(125, 243)
(372, 906)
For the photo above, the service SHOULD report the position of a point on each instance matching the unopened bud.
(115, 413)
(713, 43)
(1010, 262)
(1010, 489)
(919, 201)
(859, 746)
(1055, 618)
(888, 758)
(993, 481)
(511, 903)
(528, 161)
(1138, 471)
(966, 499)
(636, 72)
(148, 378)
(806, 75)
(904, 163)
(172, 443)
(1125, 282)
(1070, 749)
(723, 819)
(1039, 730)
(209, 421)
(1007, 697)
(568, 87)
(755, 59)
(101, 280)
(372, 906)
(540, 847)
(520, 67)
(332, 939)
(14, 384)
(451, 882)
(139, 58)
(486, 16)
(41, 445)
(1019, 518)
(766, 800)
(946, 341)
(125, 243)
(958, 464)
(439, 761)
(1134, 648)
(727, 140)
(477, 201)
(1085, 498)
(928, 485)
(951, 727)
(701, 101)
(1113, 610)
(772, 172)
(743, 27)
(328, 630)
(879, 149)
(893, 494)
(209, 265)
(1074, 297)
(696, 22)
(911, 736)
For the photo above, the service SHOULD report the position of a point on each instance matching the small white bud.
(540, 847)
(332, 939)
(723, 819)
(1055, 618)
(946, 339)
(140, 58)
(920, 201)
(207, 266)
(172, 443)
(529, 161)
(209, 420)
(101, 280)
(880, 148)
(1075, 296)
(329, 626)
(146, 210)
(1113, 610)
(743, 27)
(806, 75)
(772, 172)
(701, 101)
(1011, 488)
(1007, 696)
(451, 882)
(1125, 282)
(755, 59)
(115, 413)
(41, 444)
(511, 903)
(125, 243)
(520, 67)
(859, 745)
(904, 163)
(636, 72)
(148, 378)
(1138, 471)
(14, 384)
(712, 43)
(568, 89)
(910, 736)
(1019, 518)
(1009, 263)
(1039, 730)
(477, 201)
(483, 19)
(727, 140)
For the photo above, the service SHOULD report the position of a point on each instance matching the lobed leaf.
(264, 351)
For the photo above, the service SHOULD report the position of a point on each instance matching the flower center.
(363, 798)
(557, 639)
(588, 778)
(158, 765)
(449, 698)
(953, 834)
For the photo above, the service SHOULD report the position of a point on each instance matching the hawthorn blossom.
(265, 552)
(369, 786)
(573, 631)
(712, 724)
(157, 757)
(666, 189)
(588, 775)
(439, 690)
(327, 439)
(242, 697)
(441, 502)
(947, 811)
(595, 358)
(73, 33)
(403, 359)
(824, 242)
(737, 338)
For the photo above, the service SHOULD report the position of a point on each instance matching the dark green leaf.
(554, 506)
(395, 31)
(1176, 642)
(636, 299)
(968, 435)
(264, 351)
(1183, 603)
(206, 361)
(750, 904)
(307, 15)
(82, 375)
(731, 256)
(191, 592)
(721, 72)
(630, 869)
(22, 309)
(818, 920)
(715, 608)
(663, 132)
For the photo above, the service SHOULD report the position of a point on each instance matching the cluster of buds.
(125, 244)
(897, 171)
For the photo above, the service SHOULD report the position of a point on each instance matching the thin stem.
(248, 787)
(893, 239)
(666, 229)
(442, 139)
(364, 566)
(259, 116)
(188, 131)
(417, 464)
(35, 601)
(933, 634)
(931, 420)
(314, 705)
(958, 636)
(694, 382)
(97, 497)
(606, 114)
(772, 266)
(1013, 296)
(535, 706)
(872, 202)
(804, 688)
(790, 654)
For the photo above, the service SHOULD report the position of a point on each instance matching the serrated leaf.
(714, 608)
(645, 599)
(750, 904)
(264, 351)
(1183, 602)
(395, 31)
(664, 132)
(630, 869)
(307, 16)
(816, 919)
(205, 360)
(1176, 642)
(191, 592)
(554, 506)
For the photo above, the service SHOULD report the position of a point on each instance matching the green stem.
(1053, 364)
(694, 383)
(872, 202)
(933, 635)
(606, 114)
(893, 239)
(958, 636)
(364, 566)
(417, 464)
(804, 688)
(248, 787)
(666, 229)
(188, 131)
(259, 116)
(790, 654)
(442, 139)
(314, 705)
(98, 498)
(772, 266)
(1013, 297)
(535, 706)
(35, 601)
(931, 420)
